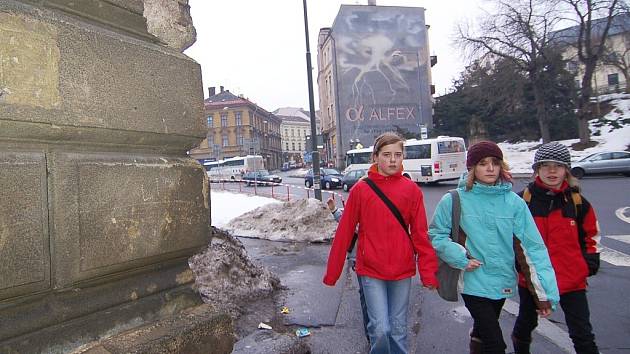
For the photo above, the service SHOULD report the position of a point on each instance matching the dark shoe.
(475, 345)
(520, 346)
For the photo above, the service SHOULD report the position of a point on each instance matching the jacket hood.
(500, 188)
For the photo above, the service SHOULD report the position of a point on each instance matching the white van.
(427, 160)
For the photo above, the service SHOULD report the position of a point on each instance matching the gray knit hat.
(552, 152)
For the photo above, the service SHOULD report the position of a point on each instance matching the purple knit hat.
(482, 150)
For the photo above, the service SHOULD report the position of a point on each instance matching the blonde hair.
(387, 138)
(504, 175)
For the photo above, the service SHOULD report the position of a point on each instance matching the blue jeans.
(387, 303)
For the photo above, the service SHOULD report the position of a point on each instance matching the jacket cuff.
(329, 281)
(430, 281)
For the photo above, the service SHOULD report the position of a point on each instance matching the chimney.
(221, 88)
(211, 91)
(371, 2)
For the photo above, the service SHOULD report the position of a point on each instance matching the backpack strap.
(455, 214)
(389, 204)
(527, 195)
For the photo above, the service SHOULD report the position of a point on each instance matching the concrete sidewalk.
(435, 326)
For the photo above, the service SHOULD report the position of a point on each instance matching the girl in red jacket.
(387, 253)
(569, 228)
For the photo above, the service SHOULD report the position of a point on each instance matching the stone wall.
(99, 207)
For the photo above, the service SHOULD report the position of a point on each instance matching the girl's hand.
(472, 265)
(430, 287)
(544, 313)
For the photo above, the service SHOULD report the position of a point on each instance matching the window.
(224, 122)
(210, 123)
(225, 141)
(418, 151)
(299, 146)
(287, 146)
(239, 119)
(572, 66)
(613, 79)
(292, 133)
(293, 146)
(286, 132)
(621, 155)
(239, 139)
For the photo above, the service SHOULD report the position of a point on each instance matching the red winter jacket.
(573, 246)
(384, 249)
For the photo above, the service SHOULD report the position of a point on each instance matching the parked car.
(330, 178)
(602, 162)
(261, 177)
(352, 177)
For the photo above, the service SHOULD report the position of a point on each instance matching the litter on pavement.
(302, 332)
(263, 325)
(284, 310)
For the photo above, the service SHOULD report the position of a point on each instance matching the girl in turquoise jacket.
(498, 230)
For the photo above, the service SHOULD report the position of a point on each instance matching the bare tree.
(518, 31)
(594, 19)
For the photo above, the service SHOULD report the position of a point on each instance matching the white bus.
(428, 160)
(234, 168)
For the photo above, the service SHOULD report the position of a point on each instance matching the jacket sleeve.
(440, 233)
(589, 232)
(427, 259)
(533, 258)
(343, 237)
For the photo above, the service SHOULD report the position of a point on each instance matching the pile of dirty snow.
(304, 220)
(226, 277)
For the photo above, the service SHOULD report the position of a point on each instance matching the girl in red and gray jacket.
(386, 252)
(569, 228)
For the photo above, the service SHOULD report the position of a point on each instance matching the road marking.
(613, 257)
(621, 238)
(621, 214)
(546, 329)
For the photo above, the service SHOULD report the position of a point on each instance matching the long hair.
(384, 139)
(504, 175)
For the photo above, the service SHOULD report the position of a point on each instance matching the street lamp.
(314, 154)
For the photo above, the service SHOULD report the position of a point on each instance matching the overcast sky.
(257, 48)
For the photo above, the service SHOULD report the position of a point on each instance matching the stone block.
(78, 79)
(114, 212)
(24, 241)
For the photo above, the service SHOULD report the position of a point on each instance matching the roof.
(292, 112)
(620, 24)
(293, 119)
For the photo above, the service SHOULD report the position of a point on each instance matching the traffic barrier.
(273, 190)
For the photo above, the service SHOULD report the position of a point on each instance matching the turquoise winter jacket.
(490, 217)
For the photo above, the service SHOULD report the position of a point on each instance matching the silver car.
(602, 162)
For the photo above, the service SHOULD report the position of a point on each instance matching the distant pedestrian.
(352, 257)
(496, 229)
(570, 231)
(388, 247)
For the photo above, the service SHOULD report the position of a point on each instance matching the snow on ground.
(305, 220)
(225, 206)
(521, 155)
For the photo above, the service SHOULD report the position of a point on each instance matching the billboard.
(381, 72)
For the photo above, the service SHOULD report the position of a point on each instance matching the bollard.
(272, 195)
(288, 194)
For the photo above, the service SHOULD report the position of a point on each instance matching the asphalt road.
(435, 326)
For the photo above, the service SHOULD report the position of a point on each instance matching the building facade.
(239, 127)
(294, 131)
(374, 75)
(607, 78)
